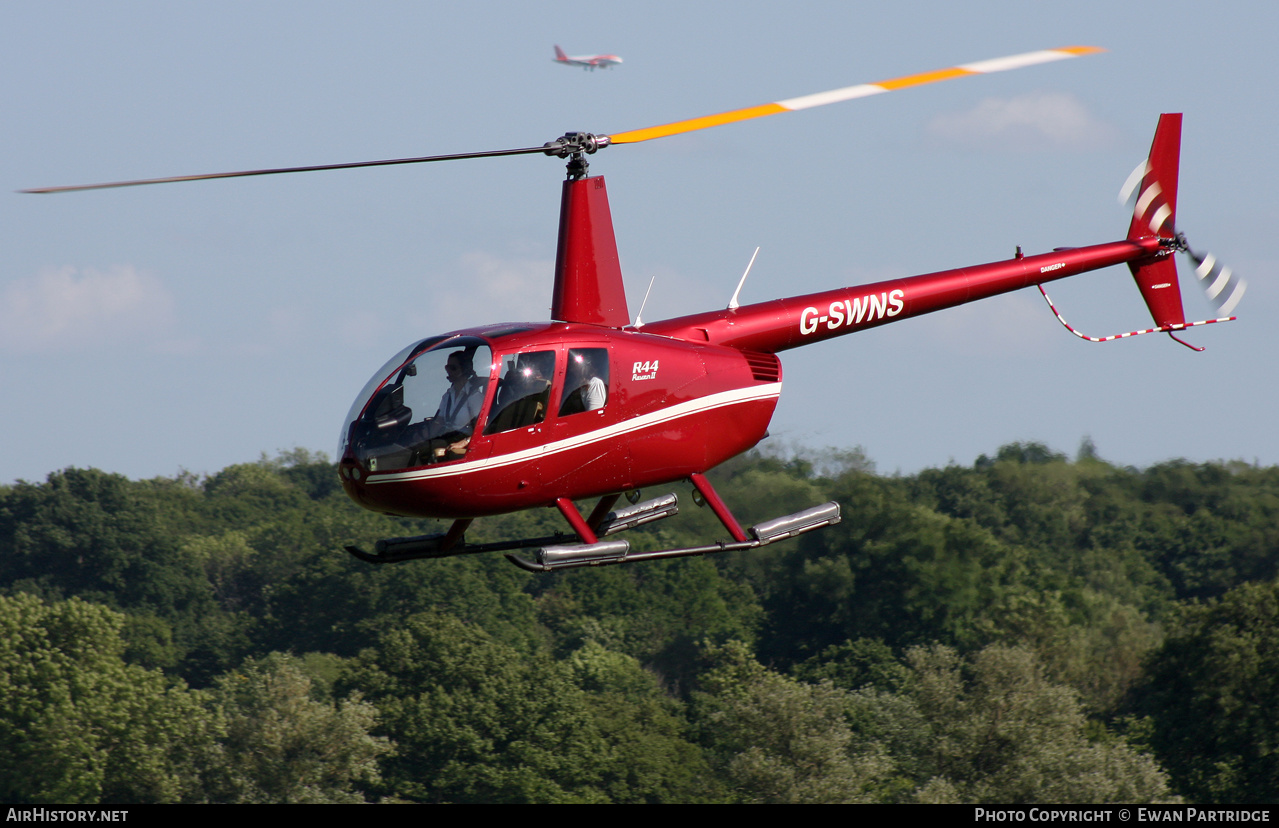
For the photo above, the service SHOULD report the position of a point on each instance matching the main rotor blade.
(279, 170)
(574, 143)
(849, 92)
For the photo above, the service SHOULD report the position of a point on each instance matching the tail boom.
(789, 323)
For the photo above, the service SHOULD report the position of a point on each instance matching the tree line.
(1028, 629)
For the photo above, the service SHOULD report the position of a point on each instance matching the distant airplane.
(586, 61)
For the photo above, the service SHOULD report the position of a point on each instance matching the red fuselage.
(685, 394)
(674, 408)
(682, 395)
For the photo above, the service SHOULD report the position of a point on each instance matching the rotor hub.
(575, 146)
(1177, 243)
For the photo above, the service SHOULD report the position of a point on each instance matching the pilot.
(460, 405)
(446, 435)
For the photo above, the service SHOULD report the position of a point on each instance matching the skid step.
(791, 525)
(638, 515)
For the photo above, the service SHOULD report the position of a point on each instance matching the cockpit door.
(587, 416)
(518, 415)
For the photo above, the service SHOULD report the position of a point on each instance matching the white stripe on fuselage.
(674, 412)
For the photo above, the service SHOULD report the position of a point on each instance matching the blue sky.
(192, 326)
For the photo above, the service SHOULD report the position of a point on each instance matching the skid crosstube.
(604, 553)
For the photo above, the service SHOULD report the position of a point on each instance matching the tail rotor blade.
(1222, 285)
(1134, 178)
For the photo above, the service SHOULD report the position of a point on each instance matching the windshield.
(421, 407)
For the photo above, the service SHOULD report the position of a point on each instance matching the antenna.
(732, 303)
(639, 317)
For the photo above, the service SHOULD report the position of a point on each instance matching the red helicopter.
(513, 416)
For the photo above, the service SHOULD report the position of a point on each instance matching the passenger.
(583, 388)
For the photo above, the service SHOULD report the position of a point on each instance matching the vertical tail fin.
(1156, 208)
(1155, 214)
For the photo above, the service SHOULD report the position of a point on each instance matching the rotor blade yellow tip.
(850, 92)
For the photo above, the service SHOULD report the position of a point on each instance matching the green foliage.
(282, 745)
(79, 725)
(777, 740)
(1085, 639)
(478, 721)
(854, 665)
(1218, 525)
(1211, 692)
(334, 603)
(100, 537)
(656, 613)
(475, 720)
(990, 728)
(892, 570)
(993, 729)
(1075, 581)
(88, 533)
(649, 757)
(1021, 454)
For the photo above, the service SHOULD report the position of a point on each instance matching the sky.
(152, 330)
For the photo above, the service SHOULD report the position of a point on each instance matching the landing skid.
(453, 542)
(603, 553)
(585, 547)
(419, 547)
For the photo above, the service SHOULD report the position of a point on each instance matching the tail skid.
(1168, 329)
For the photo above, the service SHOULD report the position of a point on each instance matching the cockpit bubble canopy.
(421, 406)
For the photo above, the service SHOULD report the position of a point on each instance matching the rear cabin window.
(585, 381)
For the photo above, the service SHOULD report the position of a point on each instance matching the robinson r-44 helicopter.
(513, 416)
